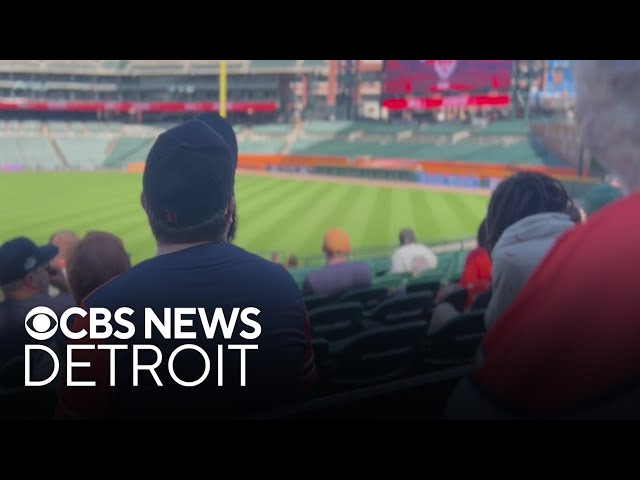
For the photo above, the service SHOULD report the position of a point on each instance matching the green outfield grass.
(286, 215)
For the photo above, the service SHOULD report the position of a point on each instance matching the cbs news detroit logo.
(43, 325)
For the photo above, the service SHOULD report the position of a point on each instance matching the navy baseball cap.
(189, 174)
(223, 128)
(21, 256)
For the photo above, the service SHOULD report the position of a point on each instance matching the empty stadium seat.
(128, 150)
(325, 128)
(262, 146)
(334, 322)
(377, 355)
(391, 281)
(58, 127)
(32, 126)
(321, 357)
(457, 298)
(368, 297)
(456, 341)
(402, 308)
(312, 302)
(28, 152)
(83, 152)
(423, 285)
(272, 129)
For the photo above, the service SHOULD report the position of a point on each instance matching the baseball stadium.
(369, 147)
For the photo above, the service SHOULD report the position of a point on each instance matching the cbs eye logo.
(41, 323)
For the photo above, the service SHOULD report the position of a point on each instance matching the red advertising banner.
(494, 101)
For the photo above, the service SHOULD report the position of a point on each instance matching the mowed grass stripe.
(257, 232)
(70, 211)
(468, 210)
(460, 219)
(77, 199)
(260, 202)
(399, 215)
(252, 187)
(375, 233)
(305, 235)
(285, 214)
(354, 221)
(350, 206)
(436, 224)
(275, 226)
(420, 220)
(103, 218)
(42, 226)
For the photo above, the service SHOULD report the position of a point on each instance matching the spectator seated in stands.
(412, 257)
(527, 213)
(24, 280)
(340, 274)
(276, 258)
(567, 348)
(292, 262)
(476, 276)
(98, 258)
(188, 197)
(476, 280)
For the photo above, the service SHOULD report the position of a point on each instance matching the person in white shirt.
(412, 257)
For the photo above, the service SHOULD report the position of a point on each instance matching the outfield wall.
(440, 173)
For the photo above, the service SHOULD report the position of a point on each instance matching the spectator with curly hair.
(527, 212)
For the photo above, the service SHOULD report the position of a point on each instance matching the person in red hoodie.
(568, 347)
(476, 276)
(475, 279)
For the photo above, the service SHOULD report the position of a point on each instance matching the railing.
(379, 252)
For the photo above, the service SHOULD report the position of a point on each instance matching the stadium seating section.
(114, 145)
(378, 334)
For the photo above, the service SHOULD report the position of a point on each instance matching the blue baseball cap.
(223, 128)
(20, 256)
(189, 174)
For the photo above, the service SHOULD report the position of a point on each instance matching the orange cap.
(337, 241)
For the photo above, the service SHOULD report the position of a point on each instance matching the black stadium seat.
(423, 285)
(335, 322)
(457, 298)
(368, 297)
(456, 341)
(378, 355)
(405, 308)
(315, 301)
(321, 357)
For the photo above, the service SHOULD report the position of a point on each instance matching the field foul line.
(362, 181)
